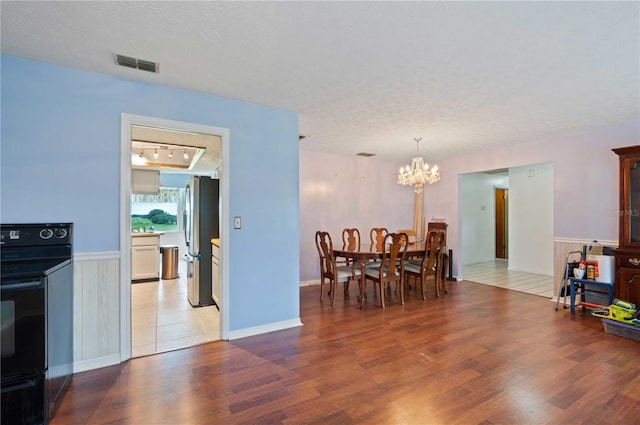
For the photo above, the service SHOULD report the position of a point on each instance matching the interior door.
(502, 227)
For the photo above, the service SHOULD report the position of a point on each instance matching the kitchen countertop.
(216, 242)
(141, 234)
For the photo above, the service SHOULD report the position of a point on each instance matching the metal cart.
(570, 263)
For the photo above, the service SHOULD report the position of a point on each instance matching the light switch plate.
(237, 224)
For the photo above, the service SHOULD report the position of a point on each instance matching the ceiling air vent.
(366, 154)
(134, 63)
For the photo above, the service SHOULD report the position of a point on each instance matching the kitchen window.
(157, 212)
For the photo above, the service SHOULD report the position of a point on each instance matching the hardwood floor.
(478, 355)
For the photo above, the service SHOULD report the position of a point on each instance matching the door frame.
(126, 121)
(505, 227)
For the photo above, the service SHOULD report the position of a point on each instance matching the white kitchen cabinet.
(145, 257)
(215, 274)
(145, 181)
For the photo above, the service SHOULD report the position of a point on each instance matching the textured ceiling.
(367, 76)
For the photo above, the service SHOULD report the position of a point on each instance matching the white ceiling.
(175, 151)
(367, 76)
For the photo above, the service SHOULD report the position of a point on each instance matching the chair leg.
(401, 291)
(382, 286)
(334, 289)
(445, 267)
(321, 288)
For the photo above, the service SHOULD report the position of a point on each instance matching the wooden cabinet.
(145, 257)
(145, 181)
(627, 285)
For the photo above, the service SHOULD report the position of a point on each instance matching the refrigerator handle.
(184, 227)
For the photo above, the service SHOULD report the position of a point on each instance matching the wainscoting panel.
(96, 317)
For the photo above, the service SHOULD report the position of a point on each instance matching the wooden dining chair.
(441, 226)
(350, 241)
(429, 265)
(391, 265)
(330, 270)
(411, 234)
(376, 235)
(351, 238)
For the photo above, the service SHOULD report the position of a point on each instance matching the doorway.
(127, 123)
(526, 224)
(502, 223)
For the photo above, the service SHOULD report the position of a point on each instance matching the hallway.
(495, 273)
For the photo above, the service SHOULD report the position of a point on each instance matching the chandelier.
(418, 173)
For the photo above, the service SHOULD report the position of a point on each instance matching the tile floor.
(495, 273)
(163, 320)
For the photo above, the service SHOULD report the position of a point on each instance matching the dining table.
(372, 252)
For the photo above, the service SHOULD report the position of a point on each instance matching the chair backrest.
(325, 251)
(351, 239)
(434, 247)
(438, 225)
(393, 252)
(411, 234)
(377, 235)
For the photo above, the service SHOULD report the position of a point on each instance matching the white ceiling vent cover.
(134, 63)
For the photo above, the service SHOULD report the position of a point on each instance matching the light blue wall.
(60, 161)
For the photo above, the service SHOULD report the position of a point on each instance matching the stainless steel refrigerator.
(201, 224)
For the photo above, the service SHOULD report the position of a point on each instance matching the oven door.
(22, 308)
(23, 400)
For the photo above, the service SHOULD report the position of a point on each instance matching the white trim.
(96, 363)
(224, 176)
(126, 121)
(263, 329)
(312, 282)
(585, 241)
(96, 256)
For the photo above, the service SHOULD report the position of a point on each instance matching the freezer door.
(194, 221)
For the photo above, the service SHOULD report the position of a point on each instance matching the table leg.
(362, 283)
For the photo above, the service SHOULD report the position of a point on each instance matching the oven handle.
(25, 285)
(29, 383)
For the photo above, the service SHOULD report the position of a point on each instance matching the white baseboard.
(97, 363)
(262, 329)
(312, 282)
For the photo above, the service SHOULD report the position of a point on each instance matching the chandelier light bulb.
(155, 154)
(170, 154)
(186, 155)
(141, 153)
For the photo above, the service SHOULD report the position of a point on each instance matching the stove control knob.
(60, 233)
(46, 233)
